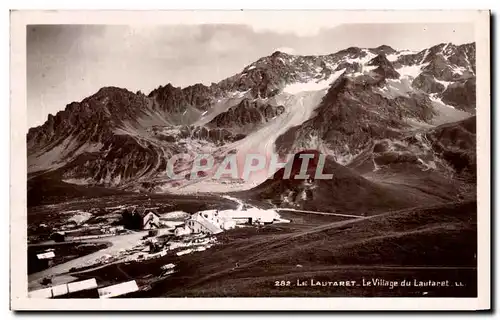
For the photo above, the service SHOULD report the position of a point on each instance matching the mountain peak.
(384, 67)
(278, 53)
(384, 47)
(111, 90)
(163, 89)
(380, 59)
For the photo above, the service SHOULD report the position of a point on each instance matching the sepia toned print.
(233, 158)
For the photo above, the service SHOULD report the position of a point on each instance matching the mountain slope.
(336, 103)
(345, 192)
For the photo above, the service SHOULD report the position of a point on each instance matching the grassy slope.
(437, 243)
(346, 192)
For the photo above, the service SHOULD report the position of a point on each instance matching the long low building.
(215, 221)
(63, 290)
(84, 289)
(118, 289)
(252, 215)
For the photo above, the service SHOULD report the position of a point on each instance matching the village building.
(46, 255)
(44, 260)
(151, 220)
(112, 230)
(209, 222)
(79, 289)
(139, 218)
(118, 289)
(182, 230)
(252, 216)
(215, 221)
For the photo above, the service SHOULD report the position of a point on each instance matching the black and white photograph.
(250, 154)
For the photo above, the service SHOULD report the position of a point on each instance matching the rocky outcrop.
(247, 112)
(383, 49)
(455, 143)
(176, 100)
(349, 67)
(218, 136)
(448, 151)
(384, 68)
(427, 83)
(461, 95)
(91, 120)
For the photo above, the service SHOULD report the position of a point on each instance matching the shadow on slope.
(346, 191)
(45, 189)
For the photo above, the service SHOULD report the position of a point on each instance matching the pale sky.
(67, 63)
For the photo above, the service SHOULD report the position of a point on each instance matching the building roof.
(143, 211)
(64, 289)
(149, 218)
(118, 289)
(254, 213)
(46, 255)
(207, 224)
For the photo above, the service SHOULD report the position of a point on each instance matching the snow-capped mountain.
(340, 104)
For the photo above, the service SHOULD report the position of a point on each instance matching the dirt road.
(117, 243)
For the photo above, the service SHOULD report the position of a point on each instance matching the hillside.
(418, 244)
(346, 192)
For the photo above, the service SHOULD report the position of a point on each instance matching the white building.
(63, 289)
(118, 289)
(215, 221)
(182, 230)
(210, 221)
(46, 255)
(251, 215)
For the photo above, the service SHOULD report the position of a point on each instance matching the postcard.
(250, 160)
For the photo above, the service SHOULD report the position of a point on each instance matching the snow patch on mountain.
(444, 83)
(361, 60)
(221, 105)
(396, 88)
(395, 56)
(458, 70)
(312, 85)
(410, 71)
(434, 98)
(298, 109)
(446, 113)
